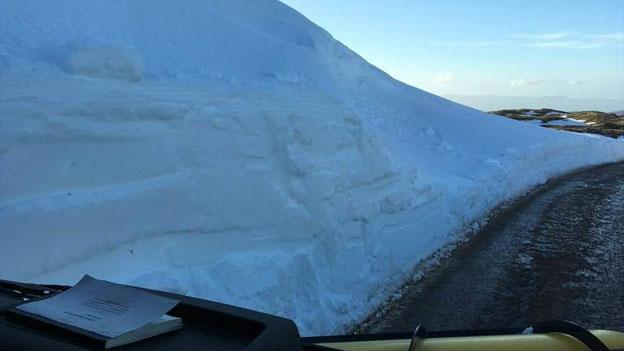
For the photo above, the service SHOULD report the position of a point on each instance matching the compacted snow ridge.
(234, 151)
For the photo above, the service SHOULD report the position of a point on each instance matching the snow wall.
(233, 150)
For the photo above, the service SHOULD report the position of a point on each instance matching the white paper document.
(102, 307)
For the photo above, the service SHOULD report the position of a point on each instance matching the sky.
(514, 51)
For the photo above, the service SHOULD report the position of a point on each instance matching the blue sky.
(510, 48)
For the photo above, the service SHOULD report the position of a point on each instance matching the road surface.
(556, 253)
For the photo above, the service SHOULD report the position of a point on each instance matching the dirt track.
(556, 253)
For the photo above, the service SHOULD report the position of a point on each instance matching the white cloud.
(523, 82)
(567, 40)
(619, 36)
(570, 44)
(545, 36)
(577, 82)
(445, 77)
(467, 43)
(560, 40)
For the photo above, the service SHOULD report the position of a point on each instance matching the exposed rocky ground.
(595, 122)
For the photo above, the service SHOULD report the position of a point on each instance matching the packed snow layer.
(232, 150)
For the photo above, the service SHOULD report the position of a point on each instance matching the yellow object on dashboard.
(546, 342)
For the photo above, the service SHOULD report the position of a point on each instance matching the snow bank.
(554, 113)
(566, 122)
(235, 151)
(533, 122)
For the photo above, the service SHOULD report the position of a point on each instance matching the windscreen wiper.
(27, 291)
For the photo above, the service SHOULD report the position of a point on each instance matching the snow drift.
(232, 150)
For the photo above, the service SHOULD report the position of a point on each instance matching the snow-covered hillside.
(232, 150)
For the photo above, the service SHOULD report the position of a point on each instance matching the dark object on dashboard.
(207, 326)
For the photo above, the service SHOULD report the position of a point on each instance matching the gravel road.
(557, 252)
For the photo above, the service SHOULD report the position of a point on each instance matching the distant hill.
(619, 113)
(499, 102)
(595, 122)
